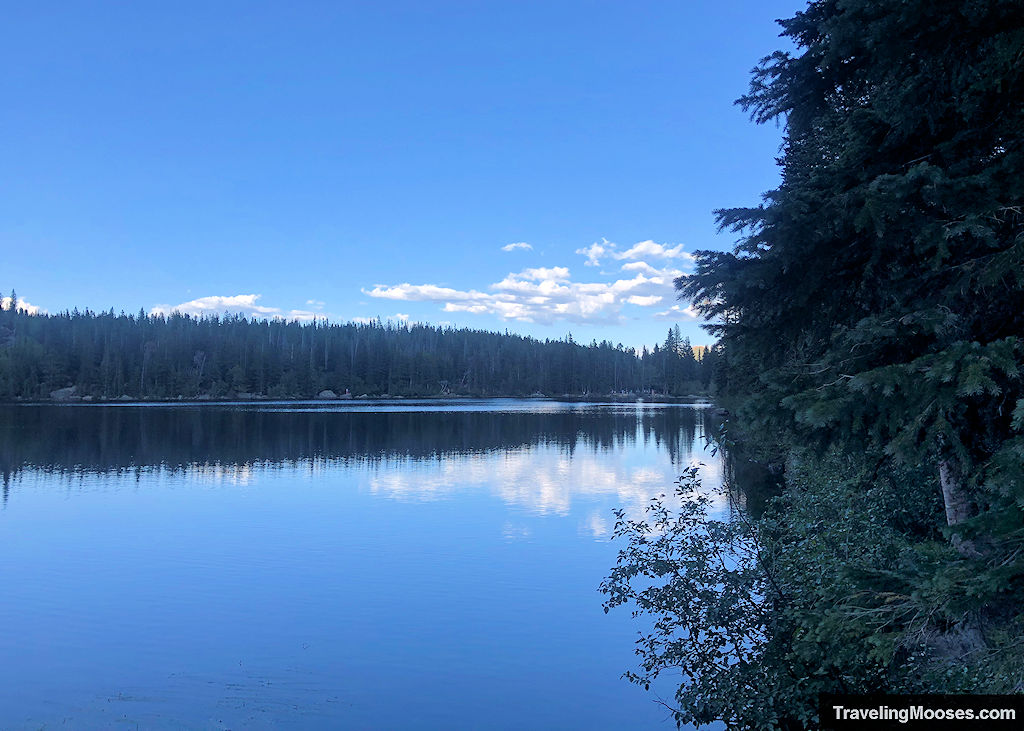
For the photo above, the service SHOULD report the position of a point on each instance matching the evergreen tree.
(871, 323)
(878, 295)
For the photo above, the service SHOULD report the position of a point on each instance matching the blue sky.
(541, 167)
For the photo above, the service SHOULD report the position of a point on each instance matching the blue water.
(352, 566)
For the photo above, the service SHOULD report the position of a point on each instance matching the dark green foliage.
(873, 314)
(845, 584)
(879, 291)
(106, 356)
(701, 583)
(877, 299)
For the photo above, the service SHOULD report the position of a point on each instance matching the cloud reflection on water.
(543, 458)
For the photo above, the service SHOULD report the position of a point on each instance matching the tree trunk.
(958, 506)
(957, 503)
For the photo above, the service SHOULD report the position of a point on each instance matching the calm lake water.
(394, 565)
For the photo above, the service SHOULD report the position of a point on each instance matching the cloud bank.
(547, 294)
(238, 304)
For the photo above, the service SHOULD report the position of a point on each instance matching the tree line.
(85, 354)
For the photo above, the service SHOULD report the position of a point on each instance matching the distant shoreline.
(564, 398)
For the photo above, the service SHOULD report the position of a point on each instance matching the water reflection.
(376, 566)
(536, 455)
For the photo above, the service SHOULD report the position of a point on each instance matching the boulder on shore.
(327, 394)
(65, 394)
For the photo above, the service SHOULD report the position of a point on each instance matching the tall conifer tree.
(877, 297)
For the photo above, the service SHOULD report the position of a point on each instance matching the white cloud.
(651, 249)
(238, 304)
(595, 251)
(23, 304)
(640, 250)
(547, 294)
(645, 301)
(639, 266)
(519, 245)
(302, 315)
(675, 312)
(543, 295)
(421, 293)
(555, 274)
(541, 281)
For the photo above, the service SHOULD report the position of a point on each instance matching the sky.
(540, 167)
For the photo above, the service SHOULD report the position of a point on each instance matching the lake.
(378, 565)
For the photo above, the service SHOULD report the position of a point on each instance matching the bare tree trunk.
(966, 636)
(956, 501)
(958, 506)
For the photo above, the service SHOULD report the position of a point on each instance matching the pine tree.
(878, 294)
(874, 308)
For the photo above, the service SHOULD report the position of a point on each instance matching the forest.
(107, 356)
(871, 326)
